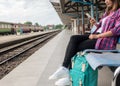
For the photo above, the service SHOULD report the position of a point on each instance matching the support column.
(97, 10)
(83, 26)
(92, 9)
(78, 26)
(72, 26)
(75, 28)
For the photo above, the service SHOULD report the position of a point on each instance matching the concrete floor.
(39, 66)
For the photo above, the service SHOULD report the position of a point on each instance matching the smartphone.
(88, 15)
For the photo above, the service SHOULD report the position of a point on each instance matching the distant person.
(104, 38)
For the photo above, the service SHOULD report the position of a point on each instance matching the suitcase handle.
(100, 51)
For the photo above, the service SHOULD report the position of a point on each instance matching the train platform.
(10, 38)
(39, 66)
(35, 70)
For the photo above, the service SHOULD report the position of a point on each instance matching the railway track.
(12, 56)
(12, 52)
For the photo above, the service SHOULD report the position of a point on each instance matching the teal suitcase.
(81, 73)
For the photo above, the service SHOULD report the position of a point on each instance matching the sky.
(20, 11)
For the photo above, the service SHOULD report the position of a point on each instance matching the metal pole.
(83, 29)
(97, 10)
(92, 9)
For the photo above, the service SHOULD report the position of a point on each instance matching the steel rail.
(35, 44)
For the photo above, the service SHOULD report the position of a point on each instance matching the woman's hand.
(92, 21)
(94, 36)
(102, 35)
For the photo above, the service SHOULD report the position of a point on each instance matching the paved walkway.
(36, 69)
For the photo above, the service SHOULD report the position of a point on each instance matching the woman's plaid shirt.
(111, 24)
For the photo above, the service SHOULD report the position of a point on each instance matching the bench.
(101, 58)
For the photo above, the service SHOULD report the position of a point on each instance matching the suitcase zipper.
(80, 83)
(83, 67)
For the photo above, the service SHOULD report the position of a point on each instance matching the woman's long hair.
(115, 6)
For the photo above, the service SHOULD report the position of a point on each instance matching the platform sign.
(82, 1)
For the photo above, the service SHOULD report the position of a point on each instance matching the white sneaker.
(62, 71)
(63, 82)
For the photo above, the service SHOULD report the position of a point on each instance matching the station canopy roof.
(68, 9)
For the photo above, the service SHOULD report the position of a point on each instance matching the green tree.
(45, 27)
(37, 24)
(28, 23)
(59, 26)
